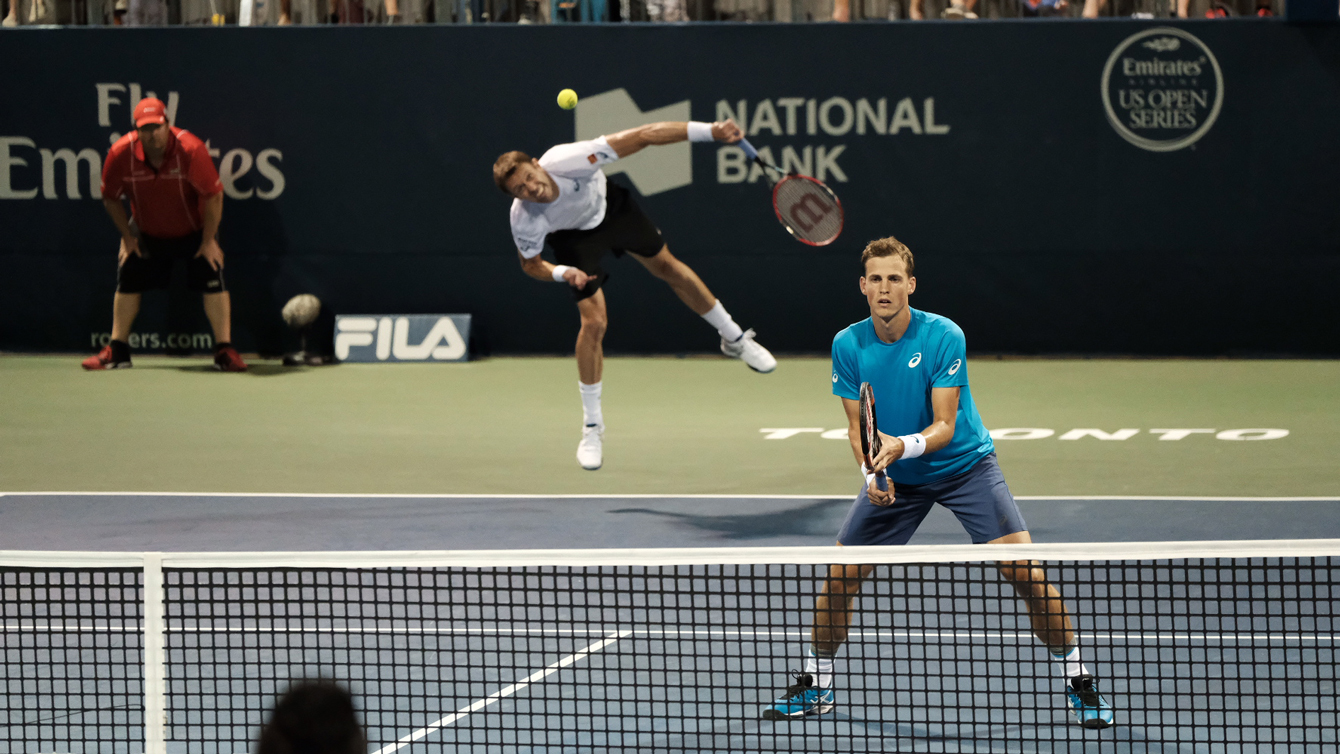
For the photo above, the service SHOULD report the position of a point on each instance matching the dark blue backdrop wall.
(357, 165)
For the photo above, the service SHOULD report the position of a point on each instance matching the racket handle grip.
(882, 482)
(748, 148)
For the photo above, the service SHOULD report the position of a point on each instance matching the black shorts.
(153, 270)
(624, 229)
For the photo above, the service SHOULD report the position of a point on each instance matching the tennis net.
(1214, 647)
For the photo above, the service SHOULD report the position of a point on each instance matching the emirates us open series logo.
(1162, 89)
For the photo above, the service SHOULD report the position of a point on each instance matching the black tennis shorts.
(153, 270)
(624, 229)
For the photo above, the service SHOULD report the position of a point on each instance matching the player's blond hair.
(506, 165)
(887, 247)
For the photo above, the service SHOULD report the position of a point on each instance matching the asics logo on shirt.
(916, 359)
(834, 378)
(953, 368)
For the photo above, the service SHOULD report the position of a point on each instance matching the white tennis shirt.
(580, 204)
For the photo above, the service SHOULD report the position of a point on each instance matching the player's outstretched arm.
(634, 140)
(944, 408)
(542, 270)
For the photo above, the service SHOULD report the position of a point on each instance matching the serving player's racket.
(807, 208)
(870, 442)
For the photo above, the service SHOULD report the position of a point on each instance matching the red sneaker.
(104, 360)
(227, 359)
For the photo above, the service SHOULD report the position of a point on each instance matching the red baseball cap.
(150, 110)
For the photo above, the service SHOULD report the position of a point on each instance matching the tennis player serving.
(917, 364)
(564, 199)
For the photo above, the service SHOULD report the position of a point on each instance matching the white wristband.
(559, 271)
(913, 446)
(699, 131)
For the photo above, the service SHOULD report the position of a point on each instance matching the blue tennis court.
(242, 522)
(1213, 646)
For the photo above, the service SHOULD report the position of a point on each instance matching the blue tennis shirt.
(932, 353)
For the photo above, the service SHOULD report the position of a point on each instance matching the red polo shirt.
(167, 202)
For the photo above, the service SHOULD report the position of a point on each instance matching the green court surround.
(675, 426)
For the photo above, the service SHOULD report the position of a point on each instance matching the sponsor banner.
(379, 338)
(153, 341)
(1079, 188)
(1163, 89)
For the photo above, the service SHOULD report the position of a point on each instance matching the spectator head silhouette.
(313, 717)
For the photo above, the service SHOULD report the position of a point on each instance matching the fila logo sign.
(372, 338)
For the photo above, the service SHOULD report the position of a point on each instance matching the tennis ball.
(567, 99)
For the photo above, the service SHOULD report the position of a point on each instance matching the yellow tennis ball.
(567, 99)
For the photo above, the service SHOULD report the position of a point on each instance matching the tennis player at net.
(917, 364)
(563, 199)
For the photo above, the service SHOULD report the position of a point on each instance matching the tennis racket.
(870, 442)
(807, 208)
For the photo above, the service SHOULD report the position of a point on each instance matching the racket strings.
(870, 443)
(872, 436)
(808, 210)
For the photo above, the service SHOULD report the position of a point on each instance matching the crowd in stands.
(286, 12)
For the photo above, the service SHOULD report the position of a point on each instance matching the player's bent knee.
(842, 587)
(594, 324)
(663, 265)
(661, 270)
(678, 271)
(1021, 571)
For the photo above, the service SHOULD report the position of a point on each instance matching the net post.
(155, 685)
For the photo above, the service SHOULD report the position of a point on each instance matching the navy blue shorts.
(979, 498)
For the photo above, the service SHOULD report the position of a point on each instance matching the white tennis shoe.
(750, 352)
(590, 454)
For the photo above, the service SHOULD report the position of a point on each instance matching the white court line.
(643, 496)
(480, 704)
(664, 633)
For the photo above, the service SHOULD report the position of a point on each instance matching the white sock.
(1069, 663)
(719, 318)
(821, 668)
(591, 404)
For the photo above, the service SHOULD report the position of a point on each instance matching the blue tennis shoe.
(1086, 704)
(802, 699)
